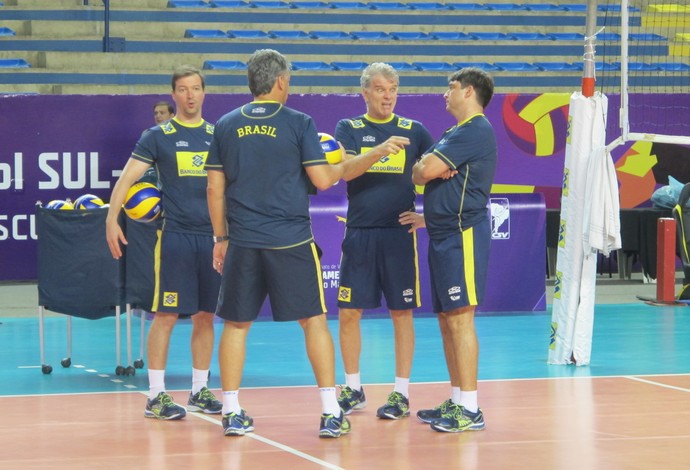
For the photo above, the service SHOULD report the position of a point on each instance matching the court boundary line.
(581, 377)
(659, 384)
(272, 443)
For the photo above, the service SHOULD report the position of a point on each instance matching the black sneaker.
(458, 419)
(204, 401)
(235, 424)
(350, 400)
(163, 407)
(397, 406)
(427, 416)
(334, 427)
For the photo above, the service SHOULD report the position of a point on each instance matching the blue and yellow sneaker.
(334, 427)
(458, 419)
(204, 401)
(235, 424)
(163, 407)
(350, 400)
(397, 406)
(427, 416)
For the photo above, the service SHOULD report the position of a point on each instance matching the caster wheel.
(130, 370)
(46, 369)
(66, 362)
(119, 370)
(139, 364)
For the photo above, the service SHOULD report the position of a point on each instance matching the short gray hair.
(378, 68)
(263, 69)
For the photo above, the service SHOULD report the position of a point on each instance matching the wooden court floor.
(568, 423)
(629, 409)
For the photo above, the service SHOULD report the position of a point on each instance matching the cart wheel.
(46, 369)
(66, 362)
(130, 370)
(139, 363)
(119, 370)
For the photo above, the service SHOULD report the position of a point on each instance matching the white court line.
(280, 446)
(658, 384)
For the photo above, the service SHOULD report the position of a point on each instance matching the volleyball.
(88, 201)
(60, 204)
(331, 148)
(143, 202)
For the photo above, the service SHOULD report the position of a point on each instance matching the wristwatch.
(222, 238)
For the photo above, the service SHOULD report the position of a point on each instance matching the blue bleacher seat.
(349, 65)
(302, 65)
(350, 5)
(410, 36)
(269, 4)
(389, 6)
(516, 66)
(558, 66)
(616, 8)
(606, 67)
(673, 66)
(531, 36)
(544, 7)
(567, 36)
(188, 4)
(647, 37)
(639, 66)
(224, 65)
(291, 34)
(248, 34)
(481, 65)
(229, 4)
(490, 36)
(402, 66)
(205, 33)
(428, 6)
(505, 6)
(467, 6)
(311, 5)
(330, 35)
(370, 35)
(575, 6)
(434, 66)
(452, 36)
(608, 37)
(14, 64)
(4, 31)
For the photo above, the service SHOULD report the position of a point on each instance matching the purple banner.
(517, 262)
(64, 146)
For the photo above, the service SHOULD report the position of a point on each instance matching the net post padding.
(666, 260)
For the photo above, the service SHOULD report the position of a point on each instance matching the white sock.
(231, 402)
(329, 401)
(468, 400)
(455, 395)
(353, 381)
(199, 380)
(402, 385)
(156, 383)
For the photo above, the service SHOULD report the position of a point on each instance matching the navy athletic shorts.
(185, 281)
(379, 261)
(291, 277)
(458, 266)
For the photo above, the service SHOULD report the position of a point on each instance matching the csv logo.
(500, 218)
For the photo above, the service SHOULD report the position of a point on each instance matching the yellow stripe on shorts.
(468, 256)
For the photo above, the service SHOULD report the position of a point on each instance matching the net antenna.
(659, 77)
